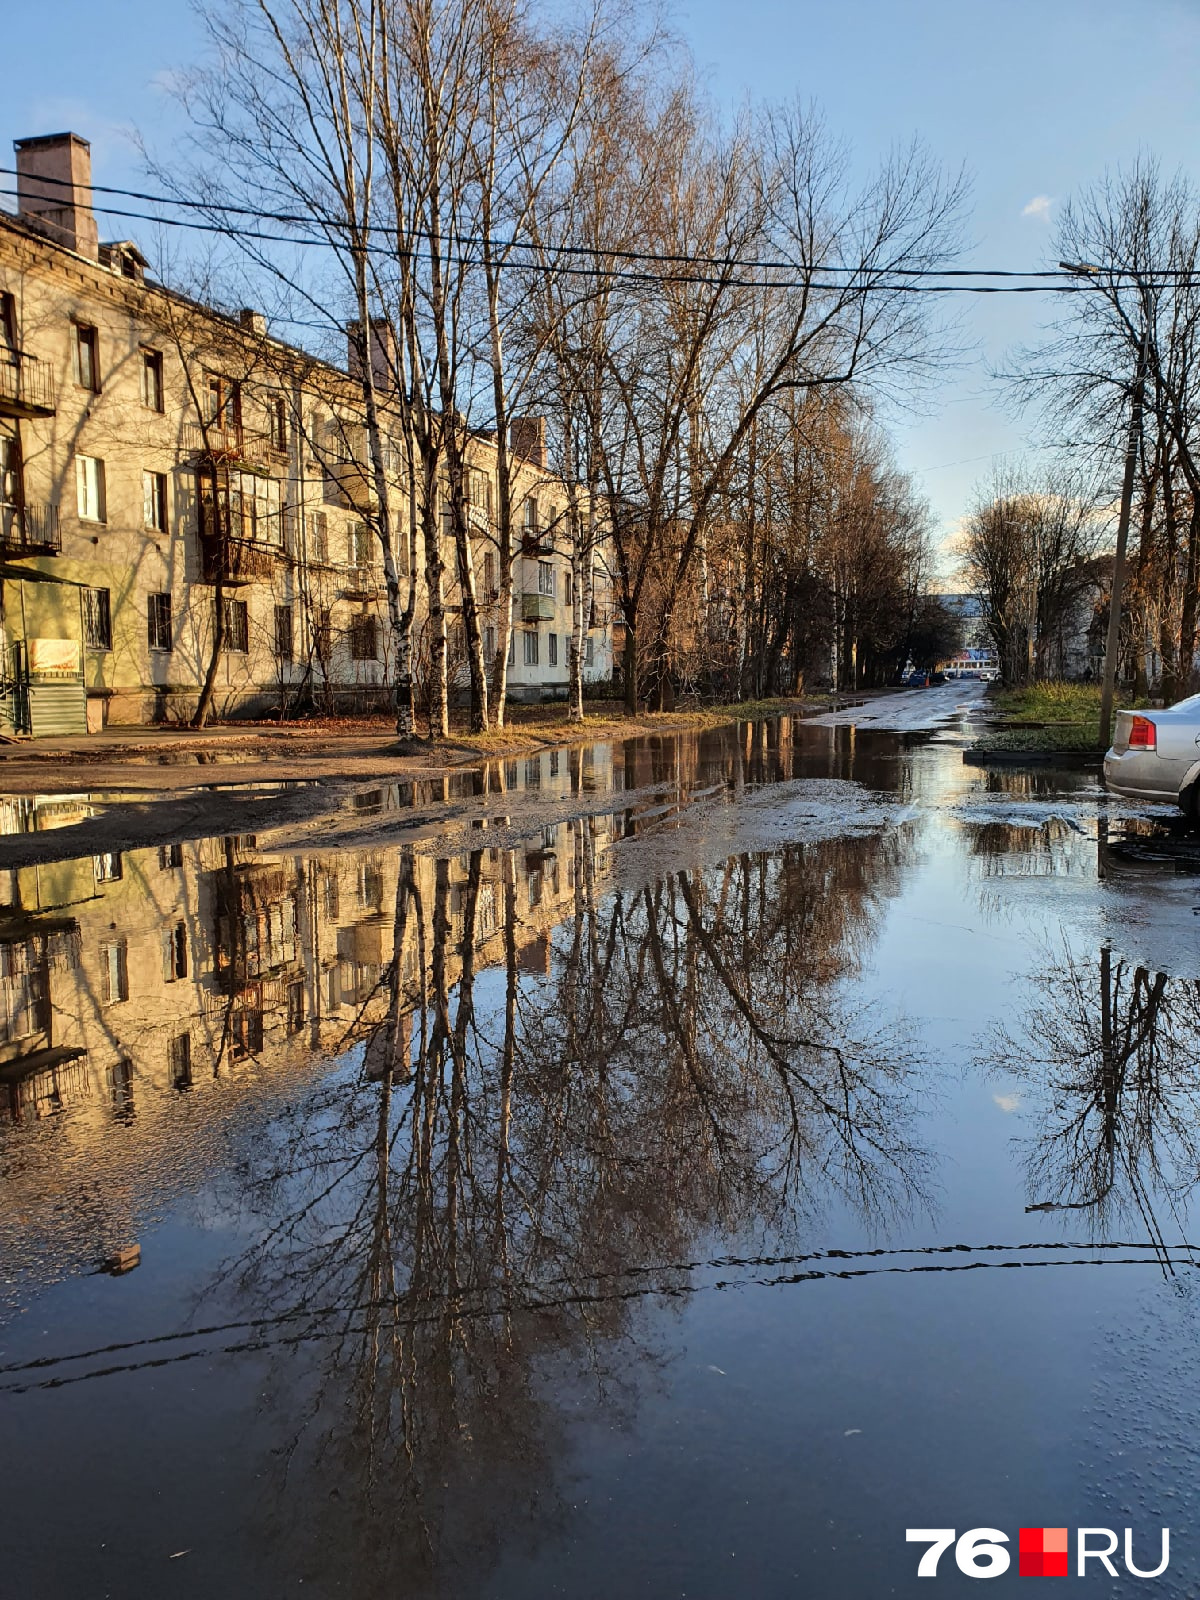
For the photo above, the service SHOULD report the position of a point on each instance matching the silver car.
(1155, 755)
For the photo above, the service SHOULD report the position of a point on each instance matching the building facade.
(162, 463)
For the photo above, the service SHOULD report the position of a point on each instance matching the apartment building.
(163, 463)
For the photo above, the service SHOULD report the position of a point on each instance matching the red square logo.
(1044, 1553)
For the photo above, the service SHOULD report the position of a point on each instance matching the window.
(568, 588)
(97, 619)
(152, 380)
(489, 642)
(114, 972)
(553, 653)
(154, 501)
(318, 537)
(323, 634)
(362, 639)
(158, 621)
(479, 492)
(89, 488)
(359, 545)
(531, 647)
(10, 471)
(531, 517)
(107, 868)
(588, 651)
(283, 632)
(86, 358)
(489, 573)
(223, 401)
(277, 429)
(8, 329)
(295, 1006)
(120, 1090)
(512, 647)
(175, 953)
(179, 1060)
(545, 578)
(170, 857)
(237, 626)
(245, 1034)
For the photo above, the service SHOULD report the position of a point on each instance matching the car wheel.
(1189, 804)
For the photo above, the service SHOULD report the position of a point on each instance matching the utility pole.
(1084, 269)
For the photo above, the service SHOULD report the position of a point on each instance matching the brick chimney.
(54, 175)
(527, 439)
(383, 354)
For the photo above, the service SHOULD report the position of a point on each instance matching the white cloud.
(1008, 1103)
(1038, 207)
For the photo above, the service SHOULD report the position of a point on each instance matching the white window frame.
(90, 489)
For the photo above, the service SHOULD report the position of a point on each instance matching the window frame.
(284, 640)
(97, 618)
(153, 396)
(160, 622)
(237, 626)
(154, 500)
(529, 649)
(82, 489)
(363, 627)
(86, 337)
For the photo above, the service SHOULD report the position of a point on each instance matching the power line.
(1065, 284)
(1055, 280)
(307, 218)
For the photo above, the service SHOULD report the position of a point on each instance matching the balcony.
(352, 480)
(235, 561)
(537, 608)
(233, 447)
(27, 387)
(29, 530)
(364, 583)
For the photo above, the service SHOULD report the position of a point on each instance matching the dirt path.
(166, 760)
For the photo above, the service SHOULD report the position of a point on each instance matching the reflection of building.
(163, 467)
(126, 976)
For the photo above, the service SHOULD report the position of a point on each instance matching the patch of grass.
(1065, 736)
(1051, 702)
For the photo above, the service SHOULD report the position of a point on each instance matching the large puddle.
(672, 1168)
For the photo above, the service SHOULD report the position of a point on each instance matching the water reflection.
(525, 1159)
(548, 1095)
(1107, 1048)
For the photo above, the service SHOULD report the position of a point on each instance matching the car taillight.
(1143, 735)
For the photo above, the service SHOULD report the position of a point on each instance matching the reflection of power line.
(507, 1307)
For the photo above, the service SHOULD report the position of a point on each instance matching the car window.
(1192, 703)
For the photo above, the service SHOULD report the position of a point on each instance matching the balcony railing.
(27, 387)
(235, 446)
(234, 561)
(537, 608)
(29, 530)
(364, 583)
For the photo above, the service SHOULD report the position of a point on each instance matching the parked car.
(1155, 755)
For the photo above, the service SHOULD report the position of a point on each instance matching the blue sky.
(1034, 97)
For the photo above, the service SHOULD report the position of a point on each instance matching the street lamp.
(1086, 270)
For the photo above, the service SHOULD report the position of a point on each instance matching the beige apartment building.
(157, 456)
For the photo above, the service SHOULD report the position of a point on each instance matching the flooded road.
(672, 1168)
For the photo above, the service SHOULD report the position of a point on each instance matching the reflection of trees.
(1111, 1052)
(527, 1154)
